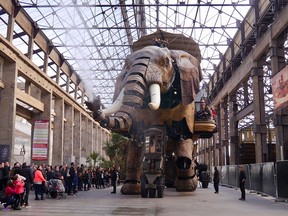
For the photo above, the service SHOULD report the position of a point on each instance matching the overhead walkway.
(202, 202)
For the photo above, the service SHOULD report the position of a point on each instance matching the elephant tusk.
(154, 90)
(116, 104)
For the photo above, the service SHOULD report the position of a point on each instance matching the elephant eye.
(166, 62)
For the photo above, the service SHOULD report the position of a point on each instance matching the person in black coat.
(113, 179)
(70, 178)
(27, 172)
(216, 180)
(242, 180)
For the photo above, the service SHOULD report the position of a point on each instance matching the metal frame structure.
(95, 36)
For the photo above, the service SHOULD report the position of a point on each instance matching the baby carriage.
(56, 189)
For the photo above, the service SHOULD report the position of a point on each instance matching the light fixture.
(22, 150)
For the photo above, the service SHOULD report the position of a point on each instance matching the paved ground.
(202, 202)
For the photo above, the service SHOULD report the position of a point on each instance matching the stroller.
(56, 189)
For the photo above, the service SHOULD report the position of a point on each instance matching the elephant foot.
(131, 188)
(185, 184)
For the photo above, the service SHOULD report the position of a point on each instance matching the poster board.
(40, 140)
(280, 89)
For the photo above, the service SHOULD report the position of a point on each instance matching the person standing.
(37, 183)
(113, 179)
(242, 180)
(70, 179)
(27, 172)
(216, 180)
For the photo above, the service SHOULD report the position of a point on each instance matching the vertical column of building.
(224, 131)
(260, 129)
(210, 152)
(90, 136)
(280, 115)
(8, 107)
(58, 132)
(77, 136)
(84, 140)
(233, 126)
(68, 135)
(101, 141)
(222, 153)
(216, 139)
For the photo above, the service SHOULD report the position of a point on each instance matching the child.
(9, 191)
(19, 190)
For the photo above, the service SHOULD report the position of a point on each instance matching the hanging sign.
(280, 89)
(40, 140)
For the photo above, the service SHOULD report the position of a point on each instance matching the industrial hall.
(187, 88)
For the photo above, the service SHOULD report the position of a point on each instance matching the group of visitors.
(17, 182)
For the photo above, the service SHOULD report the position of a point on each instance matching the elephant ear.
(190, 74)
(120, 80)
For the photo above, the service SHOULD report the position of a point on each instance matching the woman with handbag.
(37, 183)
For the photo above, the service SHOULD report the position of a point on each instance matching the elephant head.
(147, 74)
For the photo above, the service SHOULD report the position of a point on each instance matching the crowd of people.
(16, 182)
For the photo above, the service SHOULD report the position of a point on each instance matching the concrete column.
(85, 139)
(217, 146)
(8, 108)
(280, 116)
(260, 130)
(234, 143)
(90, 137)
(58, 131)
(223, 144)
(77, 136)
(10, 29)
(68, 135)
(100, 141)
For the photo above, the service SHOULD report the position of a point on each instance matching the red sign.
(280, 88)
(40, 140)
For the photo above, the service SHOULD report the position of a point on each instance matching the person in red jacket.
(19, 190)
(37, 183)
(10, 192)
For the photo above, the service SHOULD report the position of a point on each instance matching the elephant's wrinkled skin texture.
(177, 75)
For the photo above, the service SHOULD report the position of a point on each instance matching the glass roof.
(95, 36)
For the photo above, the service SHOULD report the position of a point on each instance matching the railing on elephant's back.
(171, 41)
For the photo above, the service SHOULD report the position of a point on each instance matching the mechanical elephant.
(157, 86)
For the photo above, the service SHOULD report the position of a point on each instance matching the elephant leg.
(170, 167)
(134, 163)
(186, 179)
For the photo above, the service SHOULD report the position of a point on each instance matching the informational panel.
(4, 153)
(280, 88)
(40, 140)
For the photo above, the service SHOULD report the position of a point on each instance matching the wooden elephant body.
(156, 87)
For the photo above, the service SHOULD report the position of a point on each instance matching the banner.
(40, 140)
(280, 88)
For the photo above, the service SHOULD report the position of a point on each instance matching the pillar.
(68, 135)
(260, 130)
(280, 116)
(233, 124)
(58, 131)
(8, 109)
